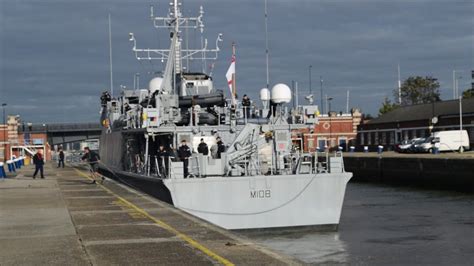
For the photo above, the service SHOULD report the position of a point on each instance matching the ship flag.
(230, 75)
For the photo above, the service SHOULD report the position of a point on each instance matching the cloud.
(54, 54)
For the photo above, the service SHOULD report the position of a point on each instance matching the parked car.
(403, 146)
(406, 146)
(426, 145)
(417, 145)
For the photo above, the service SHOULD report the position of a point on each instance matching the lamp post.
(330, 125)
(4, 133)
(461, 149)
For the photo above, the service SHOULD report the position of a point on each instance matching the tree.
(468, 94)
(417, 90)
(387, 106)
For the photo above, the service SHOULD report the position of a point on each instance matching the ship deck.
(65, 220)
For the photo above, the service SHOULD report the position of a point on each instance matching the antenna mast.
(266, 43)
(399, 87)
(110, 59)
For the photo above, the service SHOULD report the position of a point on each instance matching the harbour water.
(383, 225)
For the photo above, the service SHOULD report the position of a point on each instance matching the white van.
(451, 140)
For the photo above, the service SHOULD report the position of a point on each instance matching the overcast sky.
(54, 57)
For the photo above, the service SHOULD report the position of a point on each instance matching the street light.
(4, 133)
(457, 86)
(330, 125)
(461, 149)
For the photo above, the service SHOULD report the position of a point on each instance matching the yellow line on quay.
(164, 225)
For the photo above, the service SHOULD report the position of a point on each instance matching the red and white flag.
(230, 75)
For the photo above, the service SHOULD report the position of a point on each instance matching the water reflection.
(307, 245)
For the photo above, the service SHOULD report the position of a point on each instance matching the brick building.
(16, 143)
(332, 131)
(414, 121)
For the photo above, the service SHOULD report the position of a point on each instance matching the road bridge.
(62, 133)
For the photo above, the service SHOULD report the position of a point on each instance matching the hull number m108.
(260, 194)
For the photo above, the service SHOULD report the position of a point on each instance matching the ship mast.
(175, 22)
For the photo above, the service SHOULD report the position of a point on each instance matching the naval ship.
(253, 177)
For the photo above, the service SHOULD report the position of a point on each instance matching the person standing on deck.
(203, 148)
(184, 152)
(220, 147)
(246, 106)
(38, 160)
(163, 161)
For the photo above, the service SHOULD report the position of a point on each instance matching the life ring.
(326, 125)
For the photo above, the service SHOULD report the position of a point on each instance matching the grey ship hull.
(112, 153)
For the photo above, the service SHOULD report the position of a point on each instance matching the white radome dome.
(265, 94)
(155, 84)
(281, 93)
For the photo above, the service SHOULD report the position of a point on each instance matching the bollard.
(2, 171)
(11, 166)
(17, 163)
(352, 148)
(379, 149)
(366, 148)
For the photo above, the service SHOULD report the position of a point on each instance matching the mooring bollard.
(352, 148)
(366, 148)
(2, 171)
(11, 166)
(379, 149)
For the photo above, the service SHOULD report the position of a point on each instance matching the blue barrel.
(352, 149)
(17, 163)
(366, 148)
(379, 149)
(339, 148)
(2, 171)
(11, 166)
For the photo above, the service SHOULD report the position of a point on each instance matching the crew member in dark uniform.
(202, 148)
(220, 147)
(163, 160)
(184, 152)
(273, 109)
(246, 106)
(38, 160)
(61, 158)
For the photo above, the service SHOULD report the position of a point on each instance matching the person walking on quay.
(94, 159)
(61, 158)
(202, 148)
(184, 152)
(38, 160)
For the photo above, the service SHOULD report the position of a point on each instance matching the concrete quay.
(65, 220)
(445, 171)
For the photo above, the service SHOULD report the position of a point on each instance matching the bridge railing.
(59, 127)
